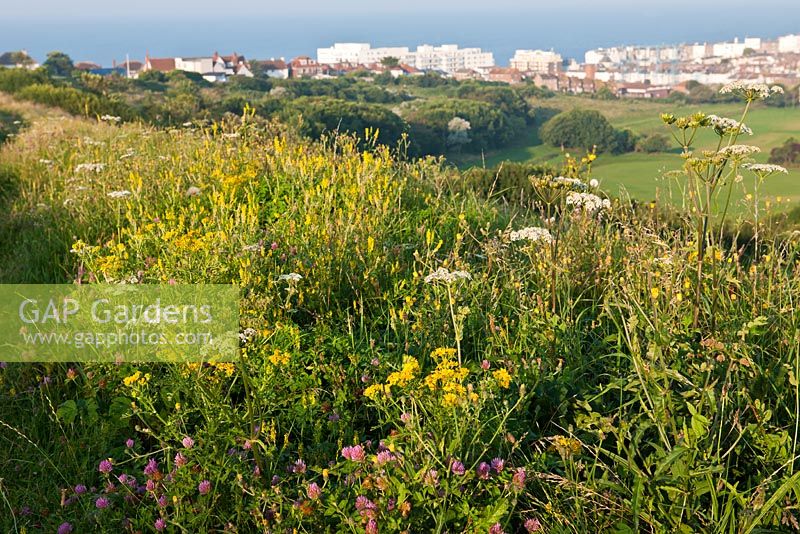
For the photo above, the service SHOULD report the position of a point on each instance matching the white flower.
(187, 124)
(252, 248)
(443, 275)
(230, 135)
(532, 233)
(291, 278)
(110, 118)
(193, 191)
(247, 335)
(594, 184)
(764, 169)
(120, 194)
(568, 183)
(739, 150)
(727, 126)
(45, 161)
(587, 202)
(91, 167)
(750, 90)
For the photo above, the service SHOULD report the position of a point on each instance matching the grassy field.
(640, 175)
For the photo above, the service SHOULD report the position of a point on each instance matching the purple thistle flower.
(80, 489)
(532, 525)
(204, 487)
(299, 467)
(458, 468)
(129, 443)
(314, 491)
(483, 471)
(496, 529)
(187, 442)
(105, 467)
(498, 464)
(162, 501)
(150, 485)
(160, 524)
(64, 528)
(102, 503)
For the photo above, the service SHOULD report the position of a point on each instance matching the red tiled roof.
(165, 64)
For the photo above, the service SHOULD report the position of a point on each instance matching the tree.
(390, 61)
(59, 64)
(458, 132)
(653, 143)
(582, 128)
(18, 58)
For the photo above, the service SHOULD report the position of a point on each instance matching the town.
(626, 71)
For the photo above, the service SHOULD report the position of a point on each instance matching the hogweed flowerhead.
(533, 234)
(724, 125)
(764, 169)
(750, 90)
(739, 151)
(588, 203)
(446, 276)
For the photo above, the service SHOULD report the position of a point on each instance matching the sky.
(102, 31)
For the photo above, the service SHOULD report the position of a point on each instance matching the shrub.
(584, 129)
(653, 143)
(787, 154)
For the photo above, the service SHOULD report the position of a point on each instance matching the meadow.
(416, 354)
(641, 175)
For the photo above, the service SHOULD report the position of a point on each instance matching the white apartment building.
(450, 58)
(789, 44)
(538, 61)
(213, 70)
(361, 54)
(735, 48)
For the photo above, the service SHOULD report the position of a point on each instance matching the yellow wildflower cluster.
(136, 378)
(566, 447)
(502, 377)
(447, 377)
(279, 357)
(405, 374)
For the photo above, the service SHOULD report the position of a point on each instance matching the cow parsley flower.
(739, 151)
(724, 125)
(110, 118)
(587, 202)
(764, 169)
(119, 194)
(291, 278)
(90, 167)
(750, 90)
(532, 233)
(448, 277)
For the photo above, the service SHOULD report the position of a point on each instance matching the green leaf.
(68, 411)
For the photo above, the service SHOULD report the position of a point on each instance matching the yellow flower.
(654, 292)
(405, 374)
(502, 377)
(450, 400)
(279, 357)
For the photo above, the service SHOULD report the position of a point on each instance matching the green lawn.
(640, 175)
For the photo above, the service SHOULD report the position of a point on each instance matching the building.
(505, 75)
(212, 69)
(789, 44)
(305, 67)
(360, 54)
(450, 58)
(536, 61)
(548, 81)
(163, 64)
(642, 90)
(273, 68)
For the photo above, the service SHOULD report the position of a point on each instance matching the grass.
(640, 175)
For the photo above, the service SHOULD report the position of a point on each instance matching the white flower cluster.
(448, 277)
(764, 168)
(247, 335)
(750, 90)
(532, 233)
(739, 150)
(291, 277)
(120, 194)
(569, 183)
(252, 248)
(727, 126)
(110, 118)
(46, 161)
(588, 202)
(91, 167)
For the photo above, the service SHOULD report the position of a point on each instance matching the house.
(467, 74)
(273, 68)
(166, 64)
(86, 65)
(305, 67)
(548, 81)
(130, 67)
(642, 90)
(504, 75)
(235, 65)
(212, 69)
(577, 85)
(402, 69)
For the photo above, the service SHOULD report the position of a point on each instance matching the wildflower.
(279, 357)
(593, 183)
(372, 527)
(724, 125)
(150, 485)
(739, 151)
(431, 478)
(204, 487)
(91, 167)
(483, 471)
(518, 480)
(273, 246)
(498, 464)
(247, 335)
(180, 460)
(151, 468)
(654, 292)
(129, 443)
(384, 457)
(119, 194)
(485, 365)
(764, 169)
(560, 182)
(160, 524)
(110, 118)
(533, 234)
(443, 275)
(405, 418)
(496, 529)
(105, 467)
(588, 202)
(458, 468)
(405, 374)
(354, 453)
(750, 90)
(299, 467)
(162, 501)
(187, 442)
(102, 503)
(192, 191)
(502, 377)
(532, 524)
(64, 528)
(291, 278)
(313, 491)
